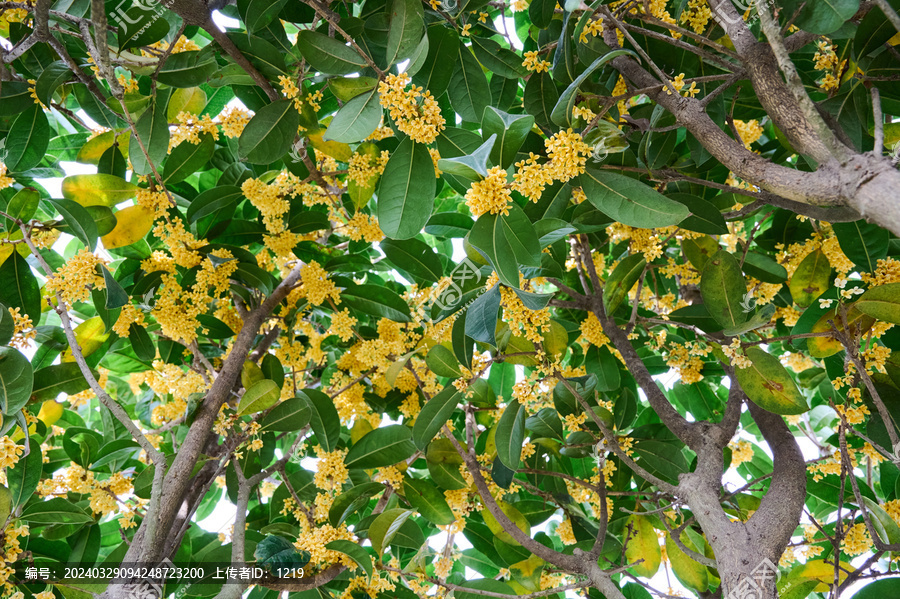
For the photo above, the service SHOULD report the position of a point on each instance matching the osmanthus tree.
(679, 223)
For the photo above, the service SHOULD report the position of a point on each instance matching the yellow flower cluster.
(733, 351)
(155, 201)
(415, 113)
(331, 472)
(491, 194)
(10, 452)
(518, 316)
(887, 271)
(827, 60)
(750, 131)
(741, 452)
(856, 540)
(316, 285)
(233, 120)
(4, 180)
(533, 63)
(696, 15)
(593, 29)
(592, 331)
(565, 532)
(75, 479)
(342, 325)
(363, 226)
(180, 242)
(288, 86)
(363, 167)
(74, 279)
(129, 315)
(531, 177)
(190, 127)
(678, 83)
(686, 359)
(23, 329)
(567, 153)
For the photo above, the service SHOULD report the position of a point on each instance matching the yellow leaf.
(132, 224)
(513, 514)
(692, 574)
(51, 411)
(93, 149)
(823, 572)
(98, 190)
(643, 544)
(90, 334)
(337, 150)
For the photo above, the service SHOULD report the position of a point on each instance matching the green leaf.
(115, 294)
(347, 88)
(448, 224)
(469, 91)
(187, 158)
(810, 279)
(354, 551)
(188, 69)
(884, 525)
(381, 447)
(153, 134)
(507, 241)
(823, 17)
(511, 131)
(481, 316)
(622, 279)
(551, 230)
(428, 500)
(324, 419)
(863, 242)
(52, 380)
(22, 206)
(385, 527)
(415, 257)
(545, 423)
(356, 119)
(434, 415)
(887, 587)
(257, 14)
(19, 287)
(270, 133)
(260, 396)
(50, 79)
(16, 380)
(378, 301)
(601, 362)
(440, 62)
(704, 218)
(7, 325)
(510, 435)
(764, 268)
(406, 191)
(881, 302)
(562, 110)
(141, 343)
(723, 289)
(79, 221)
(498, 60)
(23, 477)
(442, 362)
(277, 552)
(629, 201)
(351, 501)
(470, 166)
(290, 415)
(55, 511)
(27, 140)
(540, 97)
(406, 28)
(769, 385)
(327, 54)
